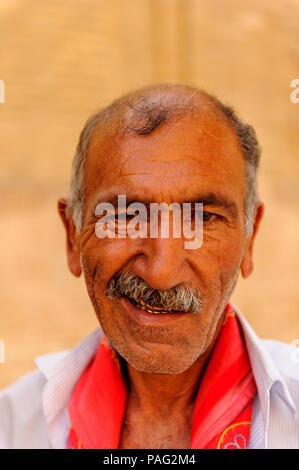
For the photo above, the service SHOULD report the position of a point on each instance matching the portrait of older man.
(173, 364)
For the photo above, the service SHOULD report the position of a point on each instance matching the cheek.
(217, 261)
(230, 253)
(226, 261)
(109, 253)
(101, 259)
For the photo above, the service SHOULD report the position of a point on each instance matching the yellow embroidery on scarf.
(230, 427)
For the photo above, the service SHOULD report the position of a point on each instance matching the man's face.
(180, 162)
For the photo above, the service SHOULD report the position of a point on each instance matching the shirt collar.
(62, 373)
(265, 371)
(52, 365)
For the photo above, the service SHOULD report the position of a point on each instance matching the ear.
(247, 260)
(72, 239)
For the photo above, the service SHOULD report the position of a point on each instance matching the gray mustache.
(182, 298)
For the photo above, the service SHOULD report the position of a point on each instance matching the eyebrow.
(212, 199)
(208, 199)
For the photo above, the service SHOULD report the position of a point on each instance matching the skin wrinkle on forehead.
(210, 199)
(178, 141)
(127, 156)
(168, 164)
(124, 172)
(203, 130)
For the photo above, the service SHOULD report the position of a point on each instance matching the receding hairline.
(177, 98)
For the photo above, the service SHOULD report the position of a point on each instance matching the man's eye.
(208, 216)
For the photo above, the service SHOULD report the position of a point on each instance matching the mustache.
(180, 297)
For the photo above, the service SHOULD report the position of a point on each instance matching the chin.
(163, 363)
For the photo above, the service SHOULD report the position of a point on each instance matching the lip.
(149, 318)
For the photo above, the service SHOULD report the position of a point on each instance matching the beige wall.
(61, 60)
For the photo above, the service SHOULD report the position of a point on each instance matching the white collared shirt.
(33, 410)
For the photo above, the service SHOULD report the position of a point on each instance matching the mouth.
(140, 304)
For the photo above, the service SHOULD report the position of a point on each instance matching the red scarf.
(223, 406)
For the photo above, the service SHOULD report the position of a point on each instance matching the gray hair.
(141, 112)
(180, 297)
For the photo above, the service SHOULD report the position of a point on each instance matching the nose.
(162, 263)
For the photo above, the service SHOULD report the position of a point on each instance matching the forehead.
(199, 151)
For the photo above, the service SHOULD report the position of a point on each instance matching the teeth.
(142, 305)
(147, 307)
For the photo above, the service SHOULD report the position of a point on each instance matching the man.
(174, 364)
